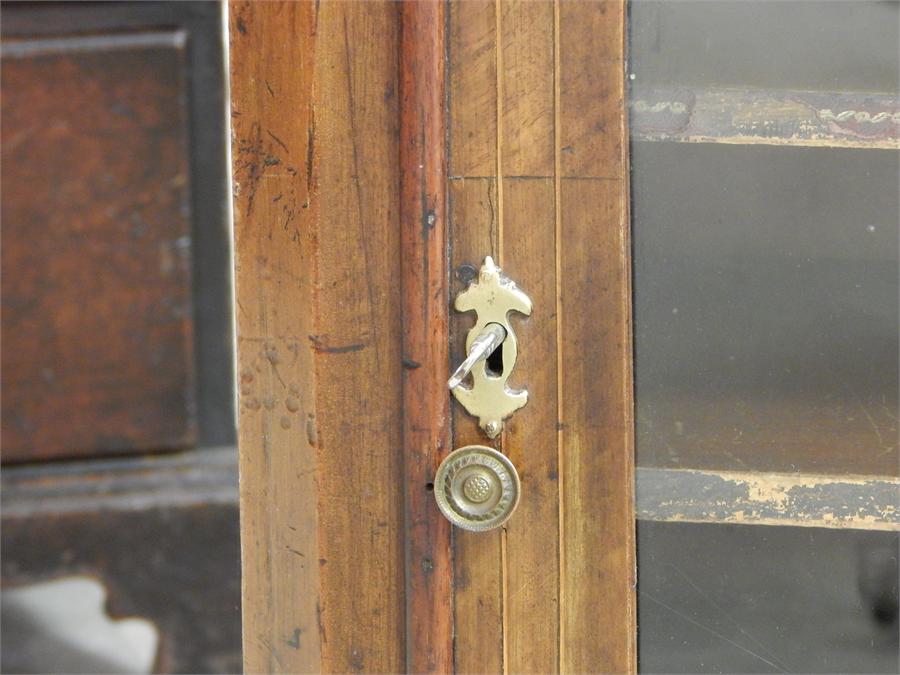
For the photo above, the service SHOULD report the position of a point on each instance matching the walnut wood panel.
(478, 575)
(96, 291)
(557, 584)
(597, 621)
(472, 97)
(315, 122)
(37, 26)
(533, 543)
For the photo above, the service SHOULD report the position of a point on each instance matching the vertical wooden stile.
(426, 420)
(315, 135)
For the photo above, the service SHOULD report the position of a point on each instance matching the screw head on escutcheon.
(477, 488)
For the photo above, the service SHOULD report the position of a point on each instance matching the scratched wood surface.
(766, 498)
(538, 167)
(597, 437)
(315, 114)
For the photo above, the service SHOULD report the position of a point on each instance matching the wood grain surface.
(478, 574)
(315, 137)
(96, 292)
(548, 193)
(426, 406)
(554, 589)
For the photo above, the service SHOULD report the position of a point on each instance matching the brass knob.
(477, 488)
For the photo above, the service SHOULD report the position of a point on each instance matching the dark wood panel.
(97, 326)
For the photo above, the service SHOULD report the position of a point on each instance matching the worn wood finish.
(478, 577)
(750, 117)
(526, 86)
(96, 292)
(597, 428)
(528, 255)
(315, 121)
(533, 543)
(426, 410)
(472, 95)
(596, 398)
(527, 597)
(842, 501)
(556, 221)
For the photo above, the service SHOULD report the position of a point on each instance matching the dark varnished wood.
(426, 413)
(96, 291)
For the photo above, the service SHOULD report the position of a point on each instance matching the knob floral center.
(477, 488)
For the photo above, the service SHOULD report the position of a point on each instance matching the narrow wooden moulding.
(426, 420)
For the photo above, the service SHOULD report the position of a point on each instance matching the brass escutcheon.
(493, 297)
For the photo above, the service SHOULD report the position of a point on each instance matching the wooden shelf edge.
(765, 117)
(754, 498)
(187, 479)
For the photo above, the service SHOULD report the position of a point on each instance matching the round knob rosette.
(477, 488)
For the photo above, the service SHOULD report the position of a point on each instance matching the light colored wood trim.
(315, 115)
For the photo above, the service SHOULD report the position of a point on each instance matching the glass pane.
(753, 599)
(766, 307)
(766, 275)
(826, 45)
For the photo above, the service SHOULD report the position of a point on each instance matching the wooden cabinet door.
(380, 152)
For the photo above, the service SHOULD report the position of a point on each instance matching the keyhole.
(494, 362)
